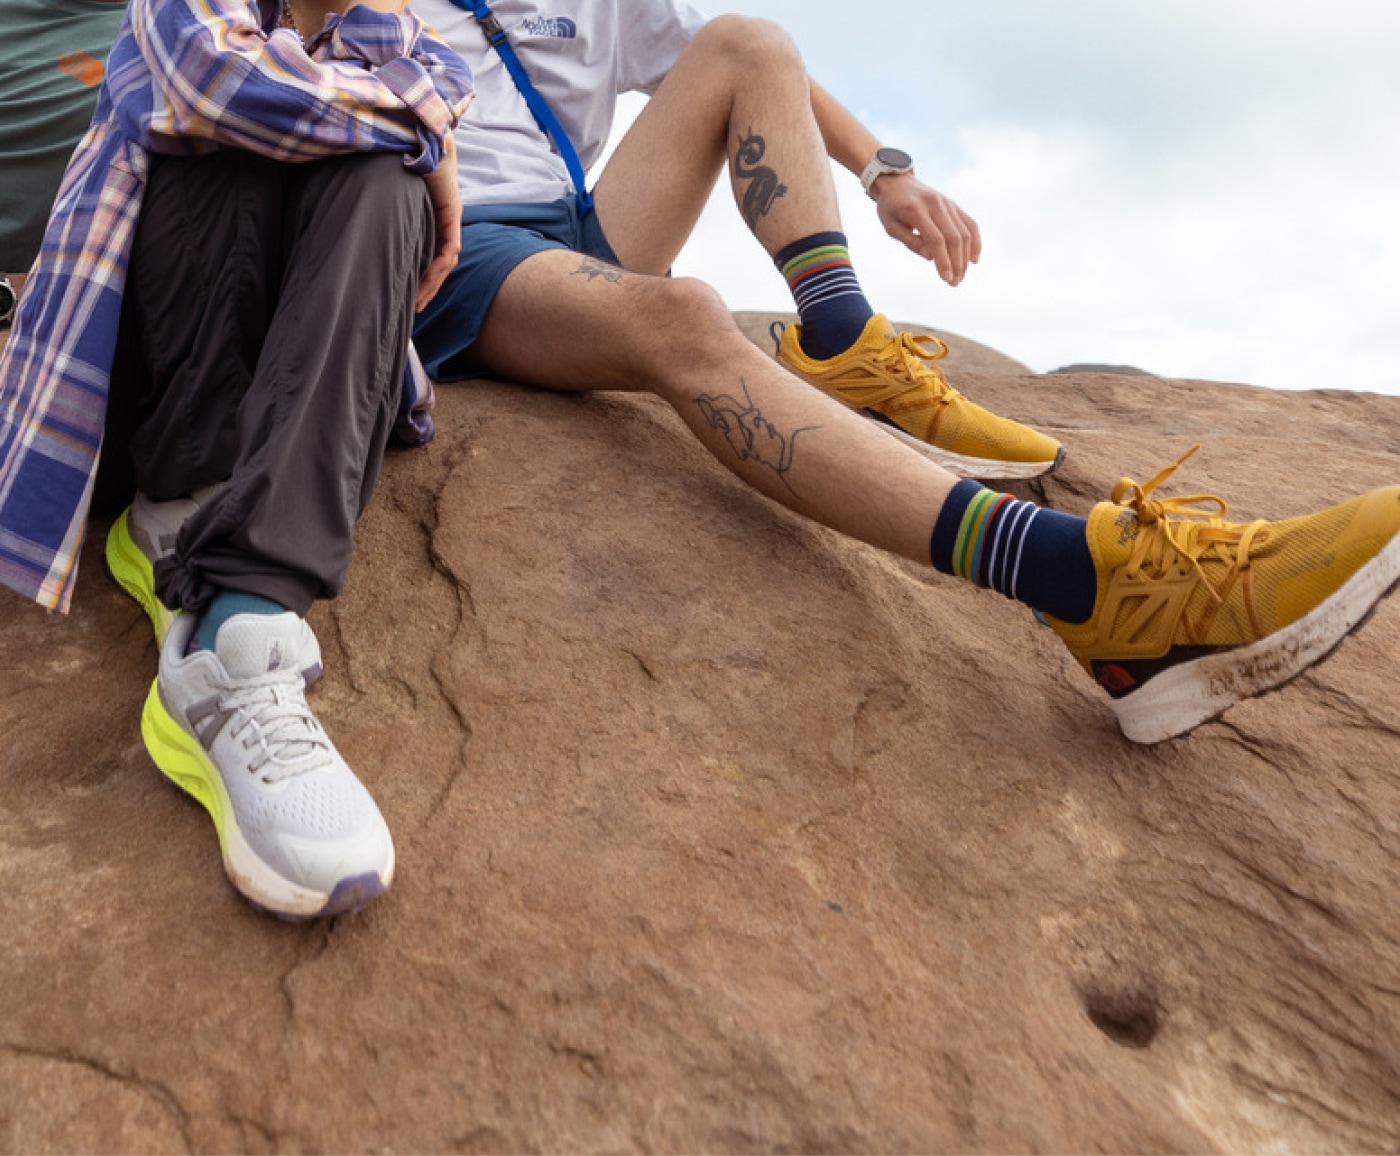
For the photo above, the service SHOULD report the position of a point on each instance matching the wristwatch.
(885, 162)
(8, 300)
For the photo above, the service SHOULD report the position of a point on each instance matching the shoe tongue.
(1114, 530)
(878, 328)
(250, 645)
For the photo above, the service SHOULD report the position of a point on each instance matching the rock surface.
(719, 832)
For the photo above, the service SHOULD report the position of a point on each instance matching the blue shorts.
(495, 239)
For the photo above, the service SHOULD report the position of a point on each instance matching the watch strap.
(878, 168)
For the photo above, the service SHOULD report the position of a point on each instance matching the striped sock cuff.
(970, 548)
(1027, 552)
(816, 261)
(831, 306)
(810, 294)
(949, 524)
(983, 536)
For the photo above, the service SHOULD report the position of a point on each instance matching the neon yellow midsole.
(183, 761)
(133, 573)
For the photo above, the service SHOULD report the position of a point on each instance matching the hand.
(446, 198)
(928, 223)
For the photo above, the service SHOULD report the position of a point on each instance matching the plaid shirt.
(185, 77)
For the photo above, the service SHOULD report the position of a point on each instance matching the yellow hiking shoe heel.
(1195, 613)
(891, 378)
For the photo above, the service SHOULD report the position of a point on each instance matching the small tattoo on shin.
(592, 268)
(751, 436)
(764, 187)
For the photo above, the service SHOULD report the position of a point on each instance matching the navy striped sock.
(1024, 551)
(830, 302)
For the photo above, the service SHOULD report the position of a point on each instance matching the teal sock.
(226, 604)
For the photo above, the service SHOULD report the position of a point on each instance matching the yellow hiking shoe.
(1195, 613)
(890, 377)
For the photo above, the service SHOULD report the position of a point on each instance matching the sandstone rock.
(1096, 367)
(719, 832)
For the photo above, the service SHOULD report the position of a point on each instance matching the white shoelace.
(272, 717)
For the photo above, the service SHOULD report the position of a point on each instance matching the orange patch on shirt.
(81, 67)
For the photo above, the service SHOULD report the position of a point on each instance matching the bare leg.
(739, 92)
(675, 338)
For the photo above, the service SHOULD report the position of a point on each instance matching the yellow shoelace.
(1192, 526)
(910, 357)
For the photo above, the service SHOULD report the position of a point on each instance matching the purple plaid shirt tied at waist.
(186, 77)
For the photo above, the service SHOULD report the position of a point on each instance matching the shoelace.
(1191, 527)
(271, 715)
(913, 354)
(909, 358)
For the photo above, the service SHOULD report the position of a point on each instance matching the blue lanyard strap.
(543, 114)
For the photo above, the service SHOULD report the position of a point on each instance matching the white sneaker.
(300, 835)
(142, 535)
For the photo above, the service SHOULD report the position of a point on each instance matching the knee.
(692, 328)
(691, 307)
(383, 186)
(377, 202)
(749, 44)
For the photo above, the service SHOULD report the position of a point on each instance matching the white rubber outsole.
(988, 469)
(1185, 696)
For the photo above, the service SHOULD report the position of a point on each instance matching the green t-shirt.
(52, 55)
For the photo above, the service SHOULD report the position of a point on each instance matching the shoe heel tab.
(775, 334)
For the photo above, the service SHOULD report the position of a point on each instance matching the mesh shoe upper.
(1177, 581)
(895, 375)
(294, 821)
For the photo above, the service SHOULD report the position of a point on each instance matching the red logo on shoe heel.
(1114, 679)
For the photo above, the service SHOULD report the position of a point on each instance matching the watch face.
(896, 158)
(7, 300)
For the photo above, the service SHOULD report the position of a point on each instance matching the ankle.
(1035, 555)
(225, 605)
(831, 305)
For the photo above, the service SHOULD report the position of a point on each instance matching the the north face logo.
(555, 27)
(1128, 527)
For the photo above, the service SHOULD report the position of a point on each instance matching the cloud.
(1204, 188)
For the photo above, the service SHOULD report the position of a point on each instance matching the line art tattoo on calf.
(765, 187)
(593, 269)
(751, 436)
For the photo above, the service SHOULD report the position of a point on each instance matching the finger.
(974, 253)
(431, 283)
(446, 249)
(438, 268)
(931, 245)
(924, 242)
(948, 220)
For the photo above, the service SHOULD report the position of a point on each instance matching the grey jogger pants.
(265, 327)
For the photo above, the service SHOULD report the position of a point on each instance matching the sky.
(1199, 188)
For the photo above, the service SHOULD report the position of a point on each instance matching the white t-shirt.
(580, 54)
